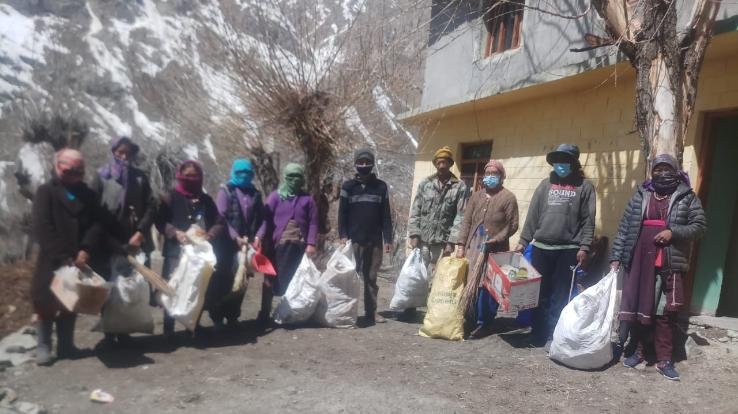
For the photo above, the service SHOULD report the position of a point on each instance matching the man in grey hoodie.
(560, 225)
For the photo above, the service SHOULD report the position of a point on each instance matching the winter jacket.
(561, 212)
(364, 214)
(685, 219)
(250, 206)
(177, 212)
(63, 227)
(499, 214)
(437, 211)
(139, 210)
(278, 212)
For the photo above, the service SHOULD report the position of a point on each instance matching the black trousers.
(555, 267)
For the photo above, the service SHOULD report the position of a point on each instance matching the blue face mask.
(562, 169)
(491, 181)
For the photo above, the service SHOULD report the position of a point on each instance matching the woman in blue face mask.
(240, 203)
(560, 226)
(495, 208)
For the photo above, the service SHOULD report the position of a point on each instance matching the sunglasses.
(73, 172)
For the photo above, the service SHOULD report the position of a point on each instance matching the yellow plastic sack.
(444, 319)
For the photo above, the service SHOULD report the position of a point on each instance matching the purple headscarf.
(116, 169)
(673, 163)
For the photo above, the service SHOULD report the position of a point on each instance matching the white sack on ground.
(190, 280)
(341, 287)
(127, 309)
(302, 295)
(582, 336)
(411, 288)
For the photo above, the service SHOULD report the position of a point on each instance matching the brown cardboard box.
(512, 295)
(79, 292)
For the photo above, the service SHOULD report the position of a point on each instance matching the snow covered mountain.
(150, 70)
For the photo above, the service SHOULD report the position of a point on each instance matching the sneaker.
(633, 360)
(666, 368)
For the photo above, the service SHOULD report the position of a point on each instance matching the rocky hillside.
(157, 71)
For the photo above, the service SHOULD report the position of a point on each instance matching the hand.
(387, 248)
(414, 242)
(310, 250)
(242, 241)
(663, 238)
(582, 257)
(82, 258)
(460, 251)
(615, 265)
(181, 237)
(448, 249)
(519, 248)
(343, 241)
(257, 243)
(136, 240)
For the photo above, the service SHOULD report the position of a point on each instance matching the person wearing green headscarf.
(291, 221)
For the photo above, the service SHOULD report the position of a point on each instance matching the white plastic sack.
(341, 286)
(190, 280)
(582, 336)
(127, 309)
(302, 296)
(411, 288)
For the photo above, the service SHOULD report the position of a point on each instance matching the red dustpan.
(261, 264)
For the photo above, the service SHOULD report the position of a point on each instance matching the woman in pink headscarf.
(495, 208)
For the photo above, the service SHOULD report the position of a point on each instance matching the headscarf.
(116, 169)
(290, 185)
(242, 174)
(497, 165)
(668, 184)
(189, 187)
(444, 152)
(69, 168)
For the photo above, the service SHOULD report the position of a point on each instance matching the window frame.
(497, 24)
(476, 182)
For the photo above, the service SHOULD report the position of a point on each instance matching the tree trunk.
(667, 68)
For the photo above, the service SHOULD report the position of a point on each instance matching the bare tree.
(667, 64)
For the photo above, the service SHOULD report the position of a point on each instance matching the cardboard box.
(512, 295)
(79, 296)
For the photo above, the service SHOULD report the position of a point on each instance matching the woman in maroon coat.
(69, 224)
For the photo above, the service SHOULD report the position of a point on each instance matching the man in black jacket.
(364, 218)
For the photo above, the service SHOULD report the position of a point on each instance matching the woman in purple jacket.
(241, 205)
(291, 222)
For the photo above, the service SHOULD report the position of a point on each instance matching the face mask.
(666, 183)
(364, 169)
(242, 179)
(491, 181)
(562, 169)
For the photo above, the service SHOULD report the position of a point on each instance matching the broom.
(468, 300)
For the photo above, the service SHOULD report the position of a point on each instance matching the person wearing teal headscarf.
(242, 174)
(291, 219)
(240, 203)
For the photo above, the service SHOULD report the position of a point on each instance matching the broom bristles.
(468, 299)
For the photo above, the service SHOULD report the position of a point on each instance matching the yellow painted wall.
(599, 119)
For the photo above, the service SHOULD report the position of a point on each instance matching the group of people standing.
(652, 245)
(85, 226)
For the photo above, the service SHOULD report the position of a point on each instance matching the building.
(508, 86)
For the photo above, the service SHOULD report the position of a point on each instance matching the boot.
(65, 338)
(43, 336)
(168, 326)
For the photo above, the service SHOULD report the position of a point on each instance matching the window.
(503, 21)
(474, 157)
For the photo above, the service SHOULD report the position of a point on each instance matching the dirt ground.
(15, 306)
(385, 368)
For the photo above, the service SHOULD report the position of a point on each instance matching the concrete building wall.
(599, 119)
(456, 70)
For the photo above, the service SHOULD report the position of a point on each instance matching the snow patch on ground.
(34, 163)
(191, 151)
(209, 148)
(353, 121)
(4, 185)
(385, 105)
(109, 58)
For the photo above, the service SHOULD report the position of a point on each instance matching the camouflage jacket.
(437, 211)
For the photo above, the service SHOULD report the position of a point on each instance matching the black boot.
(65, 348)
(43, 349)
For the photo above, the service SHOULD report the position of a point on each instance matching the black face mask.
(666, 183)
(364, 170)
